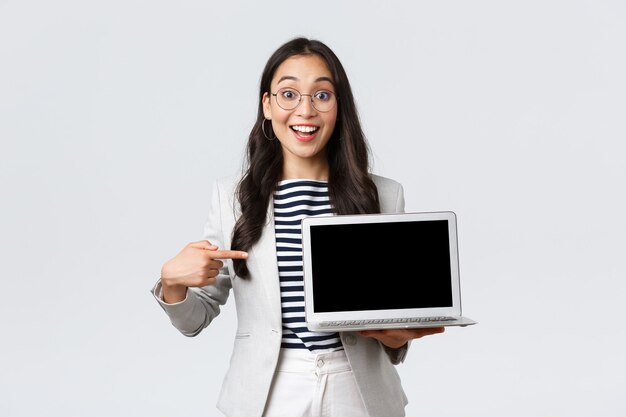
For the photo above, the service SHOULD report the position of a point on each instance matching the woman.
(307, 155)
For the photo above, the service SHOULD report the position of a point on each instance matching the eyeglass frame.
(302, 95)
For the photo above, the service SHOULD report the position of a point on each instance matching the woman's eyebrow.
(292, 78)
(325, 79)
(287, 77)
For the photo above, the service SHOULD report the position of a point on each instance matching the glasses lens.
(324, 100)
(288, 98)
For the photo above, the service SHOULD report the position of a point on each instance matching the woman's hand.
(197, 265)
(396, 338)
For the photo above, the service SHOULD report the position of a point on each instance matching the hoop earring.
(263, 130)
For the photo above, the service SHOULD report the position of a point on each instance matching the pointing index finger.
(228, 254)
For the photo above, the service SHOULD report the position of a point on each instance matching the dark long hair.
(350, 187)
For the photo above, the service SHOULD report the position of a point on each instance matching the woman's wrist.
(173, 293)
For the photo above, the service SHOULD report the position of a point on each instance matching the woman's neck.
(312, 171)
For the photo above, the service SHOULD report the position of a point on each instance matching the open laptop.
(380, 271)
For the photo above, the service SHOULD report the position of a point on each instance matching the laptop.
(381, 271)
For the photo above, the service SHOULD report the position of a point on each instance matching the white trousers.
(307, 384)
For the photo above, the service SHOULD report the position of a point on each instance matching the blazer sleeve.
(201, 305)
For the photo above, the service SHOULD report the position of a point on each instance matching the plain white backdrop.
(116, 116)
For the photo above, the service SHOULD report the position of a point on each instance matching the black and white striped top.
(294, 200)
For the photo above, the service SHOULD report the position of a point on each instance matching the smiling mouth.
(305, 130)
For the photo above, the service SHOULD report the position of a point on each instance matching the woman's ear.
(267, 110)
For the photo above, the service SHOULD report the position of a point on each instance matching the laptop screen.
(378, 266)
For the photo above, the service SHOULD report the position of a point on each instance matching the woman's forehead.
(303, 69)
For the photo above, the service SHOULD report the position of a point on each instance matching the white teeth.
(305, 129)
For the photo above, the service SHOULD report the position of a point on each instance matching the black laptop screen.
(377, 266)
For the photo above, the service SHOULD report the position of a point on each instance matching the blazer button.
(351, 339)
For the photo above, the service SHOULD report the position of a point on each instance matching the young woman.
(306, 156)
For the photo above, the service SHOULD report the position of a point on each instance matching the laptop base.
(357, 325)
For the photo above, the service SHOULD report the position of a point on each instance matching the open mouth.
(305, 131)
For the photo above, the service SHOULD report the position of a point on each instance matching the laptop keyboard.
(343, 323)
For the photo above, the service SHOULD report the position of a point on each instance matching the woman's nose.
(305, 107)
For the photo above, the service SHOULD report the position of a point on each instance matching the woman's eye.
(289, 94)
(323, 95)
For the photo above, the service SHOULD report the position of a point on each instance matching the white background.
(116, 116)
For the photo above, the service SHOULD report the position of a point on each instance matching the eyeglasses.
(290, 98)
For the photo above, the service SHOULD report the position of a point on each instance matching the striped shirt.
(294, 200)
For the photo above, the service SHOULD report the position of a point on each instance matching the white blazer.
(257, 343)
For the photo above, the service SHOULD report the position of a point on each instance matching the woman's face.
(304, 131)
